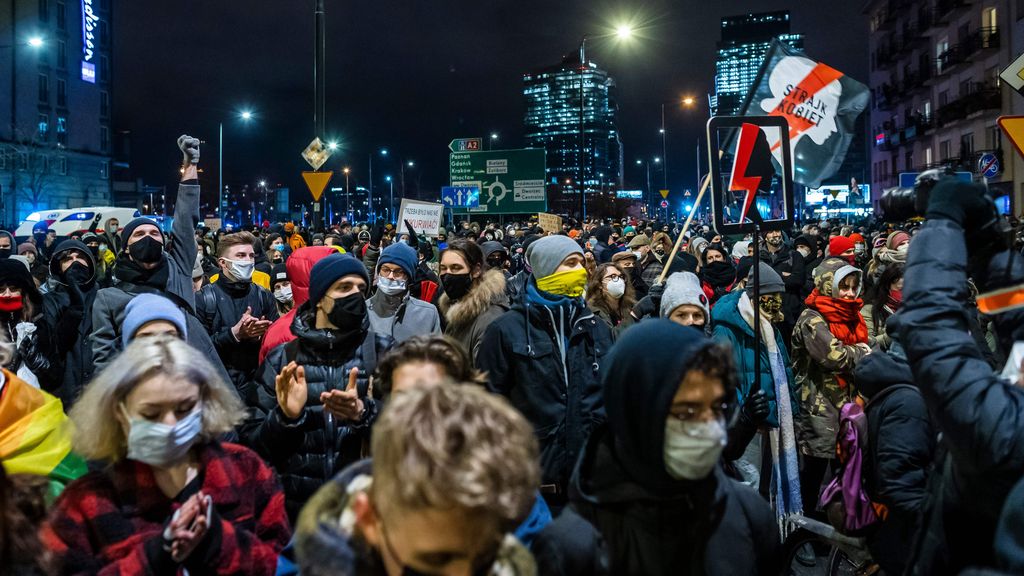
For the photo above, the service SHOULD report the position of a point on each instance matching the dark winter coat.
(730, 327)
(901, 449)
(558, 390)
(219, 307)
(310, 450)
(981, 418)
(790, 265)
(467, 320)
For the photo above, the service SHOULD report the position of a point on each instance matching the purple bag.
(849, 507)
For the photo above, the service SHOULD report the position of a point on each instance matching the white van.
(74, 220)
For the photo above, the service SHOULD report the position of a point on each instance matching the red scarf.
(843, 317)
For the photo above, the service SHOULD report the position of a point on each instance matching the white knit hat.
(684, 288)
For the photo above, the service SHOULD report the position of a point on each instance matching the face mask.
(158, 444)
(616, 288)
(456, 286)
(858, 248)
(10, 303)
(895, 299)
(903, 249)
(390, 286)
(852, 259)
(284, 294)
(241, 269)
(569, 283)
(103, 248)
(637, 254)
(348, 312)
(279, 247)
(77, 273)
(5, 252)
(775, 241)
(146, 251)
(112, 229)
(771, 305)
(692, 448)
(803, 251)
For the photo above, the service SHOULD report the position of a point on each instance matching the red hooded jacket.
(299, 265)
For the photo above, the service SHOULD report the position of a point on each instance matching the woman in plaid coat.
(173, 498)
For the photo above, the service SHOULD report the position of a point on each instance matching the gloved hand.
(376, 234)
(655, 294)
(649, 305)
(413, 239)
(755, 409)
(965, 203)
(189, 147)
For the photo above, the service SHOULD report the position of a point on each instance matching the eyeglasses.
(611, 278)
(392, 272)
(692, 414)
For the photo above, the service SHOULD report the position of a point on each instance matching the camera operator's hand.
(965, 203)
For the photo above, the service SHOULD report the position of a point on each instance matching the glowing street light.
(689, 101)
(332, 145)
(246, 115)
(624, 32)
(36, 42)
(263, 183)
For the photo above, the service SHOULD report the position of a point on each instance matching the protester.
(22, 322)
(647, 495)
(293, 239)
(416, 510)
(654, 261)
(235, 311)
(545, 355)
(717, 273)
(312, 410)
(474, 297)
(790, 266)
(391, 309)
(299, 266)
(829, 339)
(885, 300)
(171, 496)
(610, 296)
(685, 302)
(425, 360)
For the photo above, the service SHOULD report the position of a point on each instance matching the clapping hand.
(250, 327)
(344, 404)
(189, 526)
(291, 389)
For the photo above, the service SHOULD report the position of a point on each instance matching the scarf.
(843, 317)
(786, 497)
(719, 274)
(129, 271)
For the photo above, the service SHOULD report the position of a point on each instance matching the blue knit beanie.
(328, 270)
(400, 254)
(146, 308)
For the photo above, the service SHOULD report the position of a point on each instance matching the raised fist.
(189, 147)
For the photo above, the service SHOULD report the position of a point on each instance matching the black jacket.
(219, 306)
(559, 394)
(310, 450)
(790, 265)
(981, 417)
(901, 449)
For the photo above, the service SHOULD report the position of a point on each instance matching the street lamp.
(369, 198)
(494, 138)
(391, 201)
(646, 165)
(36, 43)
(245, 116)
(348, 207)
(622, 32)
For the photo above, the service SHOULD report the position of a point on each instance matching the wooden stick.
(686, 226)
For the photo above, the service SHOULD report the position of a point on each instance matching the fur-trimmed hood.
(489, 291)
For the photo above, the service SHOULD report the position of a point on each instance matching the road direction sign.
(664, 203)
(907, 178)
(461, 196)
(316, 154)
(1014, 74)
(510, 181)
(1013, 128)
(465, 145)
(664, 193)
(988, 165)
(316, 182)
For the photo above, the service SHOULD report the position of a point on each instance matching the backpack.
(846, 501)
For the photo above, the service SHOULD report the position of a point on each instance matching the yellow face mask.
(569, 283)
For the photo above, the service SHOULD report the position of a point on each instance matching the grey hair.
(98, 433)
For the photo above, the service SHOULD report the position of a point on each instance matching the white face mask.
(903, 248)
(804, 251)
(241, 269)
(160, 445)
(637, 254)
(283, 294)
(616, 288)
(390, 286)
(692, 448)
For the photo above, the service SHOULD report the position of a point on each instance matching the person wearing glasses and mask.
(648, 495)
(234, 310)
(391, 309)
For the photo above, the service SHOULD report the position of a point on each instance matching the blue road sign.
(988, 165)
(907, 178)
(461, 196)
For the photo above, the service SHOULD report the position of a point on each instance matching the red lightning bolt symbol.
(818, 78)
(740, 180)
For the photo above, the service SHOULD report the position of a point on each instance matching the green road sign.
(510, 181)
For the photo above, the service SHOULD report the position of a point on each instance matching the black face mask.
(348, 312)
(456, 286)
(77, 273)
(146, 251)
(5, 252)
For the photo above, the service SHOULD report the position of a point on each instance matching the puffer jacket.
(310, 450)
(820, 359)
(558, 390)
(901, 449)
(731, 327)
(299, 265)
(468, 319)
(981, 417)
(219, 307)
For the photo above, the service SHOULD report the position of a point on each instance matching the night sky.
(412, 75)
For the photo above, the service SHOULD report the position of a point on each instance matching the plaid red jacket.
(110, 522)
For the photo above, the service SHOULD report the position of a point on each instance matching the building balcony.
(981, 40)
(949, 9)
(980, 97)
(889, 53)
(916, 80)
(952, 60)
(886, 96)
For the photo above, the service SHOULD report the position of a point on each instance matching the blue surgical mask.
(159, 444)
(390, 286)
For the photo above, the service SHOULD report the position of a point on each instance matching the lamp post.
(493, 139)
(245, 116)
(348, 206)
(406, 164)
(391, 198)
(36, 43)
(369, 193)
(647, 197)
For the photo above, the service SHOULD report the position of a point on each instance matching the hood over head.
(66, 246)
(830, 273)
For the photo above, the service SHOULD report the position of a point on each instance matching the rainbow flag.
(35, 434)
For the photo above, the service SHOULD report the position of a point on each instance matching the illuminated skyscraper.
(552, 122)
(745, 40)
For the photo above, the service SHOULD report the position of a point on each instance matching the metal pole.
(220, 174)
(319, 85)
(348, 200)
(14, 114)
(664, 149)
(757, 302)
(580, 181)
(391, 200)
(649, 198)
(369, 192)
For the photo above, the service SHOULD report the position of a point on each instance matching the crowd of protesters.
(614, 397)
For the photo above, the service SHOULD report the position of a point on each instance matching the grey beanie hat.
(545, 255)
(684, 288)
(771, 282)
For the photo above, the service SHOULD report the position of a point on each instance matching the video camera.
(901, 203)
